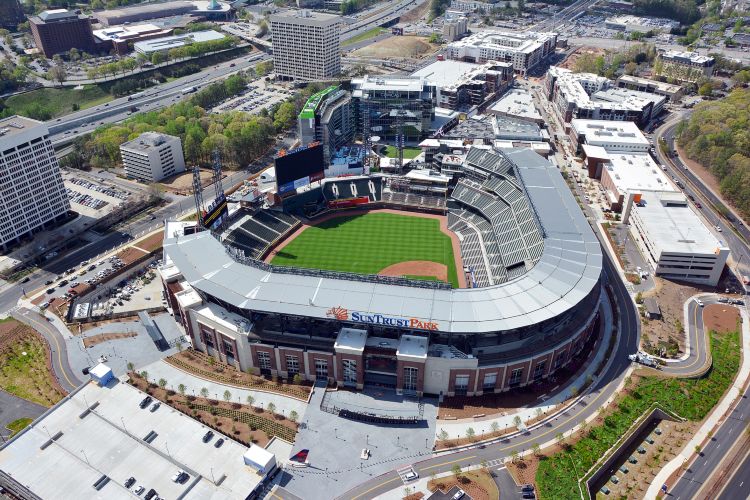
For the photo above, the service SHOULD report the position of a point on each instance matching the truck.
(643, 358)
(189, 90)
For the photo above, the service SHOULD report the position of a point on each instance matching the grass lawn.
(409, 153)
(369, 243)
(18, 425)
(690, 398)
(56, 101)
(364, 36)
(23, 365)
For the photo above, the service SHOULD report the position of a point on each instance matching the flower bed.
(693, 399)
(198, 363)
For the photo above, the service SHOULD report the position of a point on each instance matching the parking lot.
(258, 96)
(91, 198)
(90, 273)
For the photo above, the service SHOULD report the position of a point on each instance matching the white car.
(699, 302)
(140, 489)
(177, 475)
(718, 228)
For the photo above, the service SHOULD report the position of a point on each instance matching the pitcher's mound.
(423, 269)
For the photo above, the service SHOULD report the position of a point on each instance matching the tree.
(158, 58)
(181, 389)
(204, 392)
(494, 426)
(297, 379)
(264, 68)
(513, 456)
(57, 74)
(271, 407)
(144, 375)
(250, 400)
(73, 54)
(706, 89)
(443, 435)
(284, 116)
(535, 448)
(131, 366)
(227, 396)
(262, 28)
(517, 421)
(560, 438)
(456, 470)
(293, 416)
(470, 433)
(162, 383)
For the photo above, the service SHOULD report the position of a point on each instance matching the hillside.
(718, 136)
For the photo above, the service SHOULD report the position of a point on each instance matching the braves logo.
(338, 313)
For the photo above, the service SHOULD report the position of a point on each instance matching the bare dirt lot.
(183, 183)
(570, 62)
(104, 337)
(398, 46)
(667, 332)
(720, 318)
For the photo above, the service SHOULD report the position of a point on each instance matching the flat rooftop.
(665, 87)
(99, 431)
(169, 42)
(519, 103)
(682, 56)
(386, 82)
(306, 17)
(445, 73)
(128, 31)
(14, 125)
(673, 226)
(605, 132)
(512, 41)
(636, 173)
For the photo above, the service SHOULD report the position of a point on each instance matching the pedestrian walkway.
(174, 377)
(458, 428)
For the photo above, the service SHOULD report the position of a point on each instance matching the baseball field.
(374, 243)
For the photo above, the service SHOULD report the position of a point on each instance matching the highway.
(733, 233)
(590, 404)
(739, 482)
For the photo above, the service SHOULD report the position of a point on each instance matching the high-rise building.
(306, 45)
(328, 117)
(32, 194)
(151, 157)
(11, 14)
(60, 30)
(387, 105)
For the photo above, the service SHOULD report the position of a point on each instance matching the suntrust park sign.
(379, 319)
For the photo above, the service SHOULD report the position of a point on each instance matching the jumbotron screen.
(299, 167)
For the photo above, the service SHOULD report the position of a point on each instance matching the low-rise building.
(480, 6)
(684, 66)
(673, 92)
(626, 176)
(151, 157)
(122, 38)
(165, 44)
(89, 444)
(516, 103)
(620, 136)
(629, 23)
(196, 9)
(525, 50)
(674, 239)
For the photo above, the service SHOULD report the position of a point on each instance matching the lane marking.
(57, 345)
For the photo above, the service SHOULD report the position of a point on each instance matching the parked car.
(129, 482)
(140, 489)
(155, 406)
(146, 401)
(208, 436)
(458, 495)
(218, 443)
(151, 494)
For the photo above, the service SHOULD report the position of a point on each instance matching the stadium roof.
(568, 269)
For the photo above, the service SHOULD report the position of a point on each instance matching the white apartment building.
(32, 194)
(684, 66)
(483, 7)
(151, 157)
(674, 239)
(525, 50)
(306, 45)
(585, 95)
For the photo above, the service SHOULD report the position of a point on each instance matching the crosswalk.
(494, 462)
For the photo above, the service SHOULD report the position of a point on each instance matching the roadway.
(733, 232)
(589, 405)
(698, 355)
(739, 482)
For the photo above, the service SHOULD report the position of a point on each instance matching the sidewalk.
(458, 427)
(716, 416)
(174, 377)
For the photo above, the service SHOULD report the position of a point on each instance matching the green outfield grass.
(367, 244)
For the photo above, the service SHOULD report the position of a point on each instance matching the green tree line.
(718, 136)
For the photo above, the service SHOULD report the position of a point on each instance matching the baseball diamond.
(369, 243)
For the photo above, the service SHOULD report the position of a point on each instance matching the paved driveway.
(12, 408)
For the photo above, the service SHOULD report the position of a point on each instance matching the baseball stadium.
(482, 277)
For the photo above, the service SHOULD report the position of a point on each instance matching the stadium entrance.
(380, 367)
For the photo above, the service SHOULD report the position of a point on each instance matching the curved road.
(698, 355)
(603, 388)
